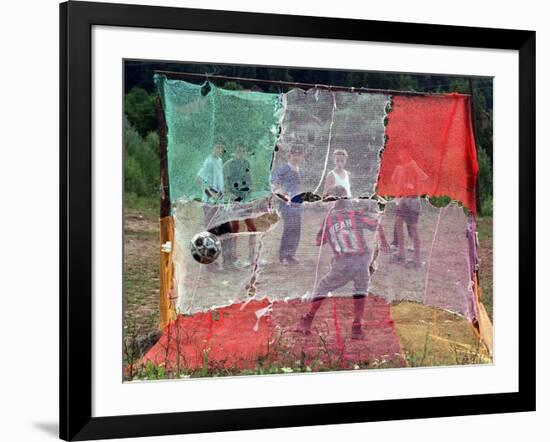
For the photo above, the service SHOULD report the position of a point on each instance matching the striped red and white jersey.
(343, 230)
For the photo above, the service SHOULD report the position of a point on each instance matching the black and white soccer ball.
(205, 247)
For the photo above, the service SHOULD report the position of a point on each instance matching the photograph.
(275, 220)
(292, 220)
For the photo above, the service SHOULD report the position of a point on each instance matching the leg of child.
(234, 229)
(338, 276)
(290, 239)
(224, 232)
(294, 232)
(400, 236)
(304, 325)
(287, 217)
(251, 226)
(315, 304)
(416, 242)
(335, 278)
(395, 241)
(358, 313)
(358, 308)
(409, 231)
(361, 275)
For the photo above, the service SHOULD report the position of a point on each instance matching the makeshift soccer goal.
(261, 172)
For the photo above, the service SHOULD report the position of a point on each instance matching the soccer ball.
(205, 247)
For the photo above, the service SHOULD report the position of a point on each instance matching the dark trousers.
(395, 241)
(222, 231)
(292, 227)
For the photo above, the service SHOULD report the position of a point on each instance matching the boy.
(210, 180)
(238, 183)
(407, 175)
(343, 230)
(287, 179)
(210, 176)
(338, 176)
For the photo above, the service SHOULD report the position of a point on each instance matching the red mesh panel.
(430, 149)
(236, 338)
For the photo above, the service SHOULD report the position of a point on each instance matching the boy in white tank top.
(338, 176)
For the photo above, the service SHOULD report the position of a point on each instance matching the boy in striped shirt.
(343, 229)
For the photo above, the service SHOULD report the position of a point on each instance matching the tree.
(140, 109)
(232, 86)
(141, 162)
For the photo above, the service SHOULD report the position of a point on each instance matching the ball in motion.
(205, 247)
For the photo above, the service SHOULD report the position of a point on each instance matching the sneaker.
(304, 325)
(293, 261)
(413, 264)
(357, 331)
(395, 258)
(229, 266)
(243, 263)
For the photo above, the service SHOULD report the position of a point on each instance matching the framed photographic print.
(272, 220)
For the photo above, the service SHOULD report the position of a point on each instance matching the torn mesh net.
(430, 149)
(240, 337)
(242, 125)
(442, 276)
(319, 122)
(201, 287)
(255, 290)
(396, 281)
(448, 282)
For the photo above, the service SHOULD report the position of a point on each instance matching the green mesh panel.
(200, 116)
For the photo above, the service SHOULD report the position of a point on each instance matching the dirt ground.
(141, 273)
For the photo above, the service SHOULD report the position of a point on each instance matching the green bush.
(487, 206)
(440, 201)
(485, 182)
(141, 162)
(232, 86)
(140, 109)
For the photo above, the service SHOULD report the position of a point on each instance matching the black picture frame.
(76, 21)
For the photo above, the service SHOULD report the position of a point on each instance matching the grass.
(433, 337)
(428, 337)
(146, 206)
(152, 372)
(485, 250)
